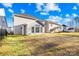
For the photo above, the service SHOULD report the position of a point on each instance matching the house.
(26, 24)
(3, 22)
(10, 30)
(70, 29)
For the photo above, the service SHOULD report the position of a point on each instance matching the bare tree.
(64, 28)
(76, 21)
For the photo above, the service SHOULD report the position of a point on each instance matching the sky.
(62, 13)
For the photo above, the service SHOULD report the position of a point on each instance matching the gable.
(23, 19)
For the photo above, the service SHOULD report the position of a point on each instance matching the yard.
(50, 44)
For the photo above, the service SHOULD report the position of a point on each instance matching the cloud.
(47, 7)
(67, 19)
(7, 5)
(44, 13)
(10, 10)
(22, 11)
(67, 15)
(52, 7)
(54, 18)
(75, 7)
(77, 4)
(29, 4)
(39, 6)
(74, 15)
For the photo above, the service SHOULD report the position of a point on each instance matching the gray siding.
(3, 23)
(17, 29)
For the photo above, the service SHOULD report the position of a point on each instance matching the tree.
(64, 27)
(76, 20)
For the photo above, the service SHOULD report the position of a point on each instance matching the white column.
(43, 30)
(34, 29)
(40, 29)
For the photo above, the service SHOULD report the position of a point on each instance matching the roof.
(34, 18)
(30, 17)
(25, 16)
(51, 22)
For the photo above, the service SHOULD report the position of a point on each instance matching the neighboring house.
(10, 30)
(70, 29)
(27, 24)
(3, 22)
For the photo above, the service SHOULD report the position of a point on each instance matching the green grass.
(52, 44)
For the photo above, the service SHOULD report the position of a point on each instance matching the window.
(37, 29)
(32, 29)
(41, 29)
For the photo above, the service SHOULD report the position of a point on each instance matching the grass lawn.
(52, 44)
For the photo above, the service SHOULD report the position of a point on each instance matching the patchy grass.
(52, 44)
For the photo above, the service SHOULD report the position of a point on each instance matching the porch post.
(40, 29)
(34, 29)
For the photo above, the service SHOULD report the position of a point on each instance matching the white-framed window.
(41, 29)
(37, 29)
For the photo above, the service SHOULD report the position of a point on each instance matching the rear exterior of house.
(26, 24)
(3, 22)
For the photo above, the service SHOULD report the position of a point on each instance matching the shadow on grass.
(68, 51)
(42, 49)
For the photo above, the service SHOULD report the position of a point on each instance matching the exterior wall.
(20, 21)
(52, 26)
(46, 27)
(3, 23)
(3, 26)
(49, 26)
(73, 30)
(58, 30)
(17, 29)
